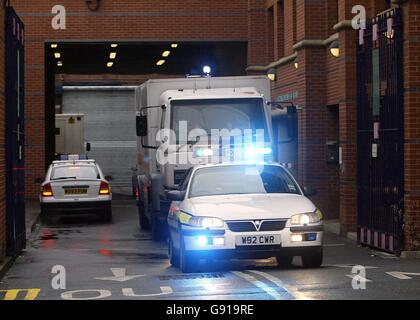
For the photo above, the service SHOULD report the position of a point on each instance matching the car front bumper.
(312, 238)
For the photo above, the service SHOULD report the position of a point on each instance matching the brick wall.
(315, 81)
(411, 12)
(166, 20)
(2, 140)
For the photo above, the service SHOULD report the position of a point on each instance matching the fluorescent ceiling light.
(112, 55)
(114, 45)
(57, 55)
(59, 63)
(166, 53)
(174, 45)
(160, 62)
(54, 45)
(110, 64)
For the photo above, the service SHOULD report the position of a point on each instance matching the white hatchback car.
(73, 187)
(242, 210)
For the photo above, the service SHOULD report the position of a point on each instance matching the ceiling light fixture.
(59, 63)
(112, 55)
(54, 46)
(166, 53)
(174, 45)
(110, 64)
(57, 55)
(160, 62)
(114, 45)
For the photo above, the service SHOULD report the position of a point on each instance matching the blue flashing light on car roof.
(252, 152)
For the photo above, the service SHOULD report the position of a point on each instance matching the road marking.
(102, 294)
(348, 266)
(269, 290)
(12, 294)
(334, 245)
(359, 278)
(120, 275)
(403, 275)
(292, 291)
(129, 292)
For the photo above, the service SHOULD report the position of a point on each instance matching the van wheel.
(173, 256)
(143, 220)
(313, 259)
(188, 263)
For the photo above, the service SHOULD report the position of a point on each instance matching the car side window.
(184, 184)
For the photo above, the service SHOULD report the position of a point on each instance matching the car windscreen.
(74, 172)
(241, 179)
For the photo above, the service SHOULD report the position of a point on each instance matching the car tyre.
(45, 216)
(313, 259)
(284, 260)
(173, 255)
(187, 261)
(107, 217)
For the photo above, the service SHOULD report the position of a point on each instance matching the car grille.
(249, 226)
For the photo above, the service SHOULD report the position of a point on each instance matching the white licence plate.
(258, 240)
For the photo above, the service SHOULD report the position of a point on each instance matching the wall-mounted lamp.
(271, 74)
(93, 5)
(296, 62)
(335, 48)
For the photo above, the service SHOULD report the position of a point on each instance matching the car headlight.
(206, 222)
(306, 218)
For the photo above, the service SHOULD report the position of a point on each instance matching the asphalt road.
(81, 258)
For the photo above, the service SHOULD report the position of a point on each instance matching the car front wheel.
(173, 255)
(284, 260)
(313, 259)
(188, 263)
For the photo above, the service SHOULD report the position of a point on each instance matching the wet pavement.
(81, 258)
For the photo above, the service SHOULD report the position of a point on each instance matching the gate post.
(2, 145)
(15, 139)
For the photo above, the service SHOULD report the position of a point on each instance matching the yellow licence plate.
(75, 191)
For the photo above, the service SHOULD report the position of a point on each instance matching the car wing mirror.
(310, 192)
(176, 195)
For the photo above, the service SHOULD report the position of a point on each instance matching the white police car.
(74, 186)
(242, 210)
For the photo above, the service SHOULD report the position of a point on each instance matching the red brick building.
(278, 34)
(326, 87)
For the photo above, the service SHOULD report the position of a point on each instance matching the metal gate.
(380, 133)
(15, 170)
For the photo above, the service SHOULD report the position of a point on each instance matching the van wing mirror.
(141, 125)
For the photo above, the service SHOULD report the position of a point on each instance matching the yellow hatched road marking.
(12, 294)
